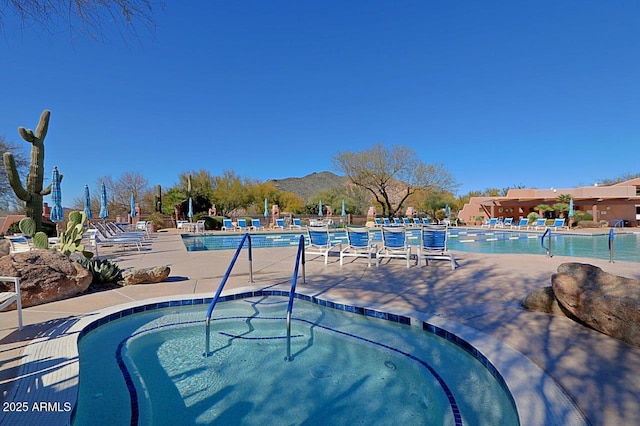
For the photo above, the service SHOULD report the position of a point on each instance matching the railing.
(247, 238)
(611, 238)
(292, 292)
(547, 234)
(619, 223)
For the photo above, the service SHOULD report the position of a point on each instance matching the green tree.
(392, 175)
(231, 193)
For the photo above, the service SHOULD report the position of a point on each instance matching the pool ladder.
(547, 234)
(300, 259)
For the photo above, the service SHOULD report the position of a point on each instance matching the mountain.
(309, 185)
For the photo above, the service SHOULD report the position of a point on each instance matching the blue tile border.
(353, 309)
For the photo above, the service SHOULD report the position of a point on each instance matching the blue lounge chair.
(541, 223)
(227, 225)
(406, 221)
(386, 221)
(242, 225)
(558, 223)
(377, 221)
(394, 244)
(279, 224)
(417, 221)
(358, 245)
(319, 241)
(524, 221)
(397, 221)
(256, 225)
(490, 223)
(425, 221)
(506, 223)
(297, 223)
(433, 245)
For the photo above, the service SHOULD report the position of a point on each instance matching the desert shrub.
(579, 216)
(210, 222)
(587, 224)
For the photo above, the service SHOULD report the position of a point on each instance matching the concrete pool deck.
(600, 374)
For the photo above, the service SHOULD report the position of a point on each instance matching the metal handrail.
(619, 223)
(292, 292)
(547, 234)
(207, 322)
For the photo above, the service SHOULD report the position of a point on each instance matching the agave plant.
(104, 271)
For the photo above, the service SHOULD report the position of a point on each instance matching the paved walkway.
(601, 374)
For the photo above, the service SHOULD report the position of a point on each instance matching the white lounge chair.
(19, 243)
(433, 245)
(358, 245)
(394, 244)
(319, 242)
(8, 297)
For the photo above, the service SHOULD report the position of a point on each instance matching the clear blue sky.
(542, 94)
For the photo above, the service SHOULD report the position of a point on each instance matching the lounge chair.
(394, 244)
(406, 221)
(541, 223)
(506, 223)
(279, 224)
(358, 245)
(524, 221)
(256, 225)
(297, 223)
(433, 245)
(19, 243)
(490, 223)
(98, 238)
(558, 223)
(242, 225)
(377, 221)
(386, 221)
(200, 225)
(425, 221)
(397, 221)
(8, 297)
(417, 221)
(227, 225)
(319, 241)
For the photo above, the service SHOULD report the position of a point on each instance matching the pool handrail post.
(547, 234)
(292, 292)
(212, 305)
(611, 238)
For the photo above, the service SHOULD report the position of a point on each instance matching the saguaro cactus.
(158, 198)
(33, 193)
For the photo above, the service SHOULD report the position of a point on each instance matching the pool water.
(626, 245)
(346, 369)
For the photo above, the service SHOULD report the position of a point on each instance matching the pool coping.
(538, 398)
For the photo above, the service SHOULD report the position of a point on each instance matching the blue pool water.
(350, 366)
(626, 246)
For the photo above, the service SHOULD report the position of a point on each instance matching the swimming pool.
(350, 366)
(626, 245)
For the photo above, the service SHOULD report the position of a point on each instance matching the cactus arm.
(14, 179)
(26, 134)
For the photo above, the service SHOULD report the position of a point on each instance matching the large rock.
(544, 300)
(606, 302)
(157, 274)
(45, 276)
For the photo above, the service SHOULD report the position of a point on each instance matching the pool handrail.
(292, 292)
(547, 234)
(212, 305)
(611, 238)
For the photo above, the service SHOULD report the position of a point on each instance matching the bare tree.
(119, 193)
(392, 175)
(82, 16)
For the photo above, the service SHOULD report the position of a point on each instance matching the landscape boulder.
(45, 276)
(605, 302)
(146, 276)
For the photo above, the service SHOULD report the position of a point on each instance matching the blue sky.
(541, 94)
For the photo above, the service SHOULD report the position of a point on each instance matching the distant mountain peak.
(310, 184)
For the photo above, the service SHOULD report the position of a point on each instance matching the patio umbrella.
(320, 208)
(190, 212)
(266, 208)
(87, 203)
(571, 213)
(104, 211)
(344, 212)
(133, 206)
(57, 215)
(447, 210)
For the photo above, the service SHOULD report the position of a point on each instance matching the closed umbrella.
(344, 212)
(571, 213)
(190, 213)
(104, 211)
(320, 208)
(266, 208)
(447, 210)
(57, 215)
(133, 206)
(87, 203)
